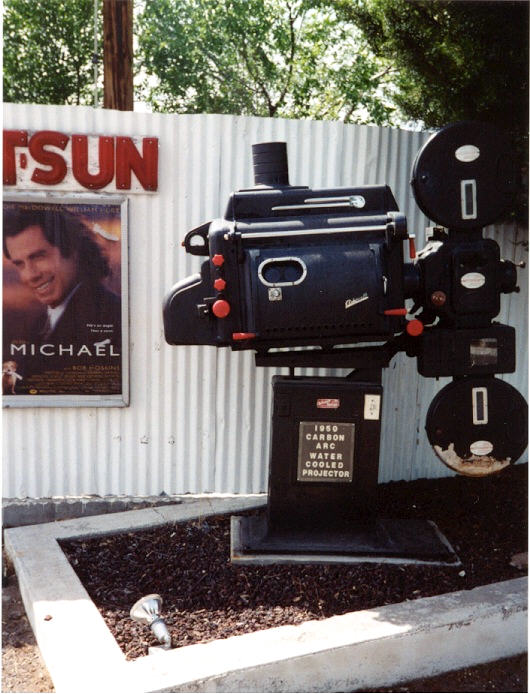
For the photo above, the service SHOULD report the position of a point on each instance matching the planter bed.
(123, 556)
(207, 598)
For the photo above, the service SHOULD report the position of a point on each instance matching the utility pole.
(117, 54)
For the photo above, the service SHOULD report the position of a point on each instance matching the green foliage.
(450, 60)
(48, 47)
(259, 57)
(453, 60)
(437, 61)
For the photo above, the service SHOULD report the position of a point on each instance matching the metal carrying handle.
(202, 248)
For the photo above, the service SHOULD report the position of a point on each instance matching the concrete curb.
(371, 648)
(29, 511)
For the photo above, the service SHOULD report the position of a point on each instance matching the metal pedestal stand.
(323, 480)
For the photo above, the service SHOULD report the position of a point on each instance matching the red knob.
(219, 284)
(221, 308)
(218, 259)
(414, 327)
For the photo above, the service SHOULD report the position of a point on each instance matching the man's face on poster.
(41, 266)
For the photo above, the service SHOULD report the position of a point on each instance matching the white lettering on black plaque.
(325, 452)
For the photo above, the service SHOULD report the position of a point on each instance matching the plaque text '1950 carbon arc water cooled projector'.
(317, 278)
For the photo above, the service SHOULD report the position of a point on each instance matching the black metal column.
(323, 482)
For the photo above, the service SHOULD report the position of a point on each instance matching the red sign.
(328, 403)
(51, 159)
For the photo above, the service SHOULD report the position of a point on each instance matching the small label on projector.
(372, 405)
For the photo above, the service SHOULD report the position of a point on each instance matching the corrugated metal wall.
(199, 417)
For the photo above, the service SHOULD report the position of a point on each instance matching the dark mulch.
(207, 598)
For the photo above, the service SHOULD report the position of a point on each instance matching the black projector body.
(318, 278)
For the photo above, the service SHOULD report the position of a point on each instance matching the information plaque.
(325, 452)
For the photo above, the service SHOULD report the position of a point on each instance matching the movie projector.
(316, 278)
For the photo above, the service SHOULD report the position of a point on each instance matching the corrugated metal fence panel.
(199, 417)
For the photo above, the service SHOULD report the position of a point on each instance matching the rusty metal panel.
(198, 419)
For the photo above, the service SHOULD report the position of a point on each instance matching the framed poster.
(65, 301)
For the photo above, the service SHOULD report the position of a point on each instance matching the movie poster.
(64, 302)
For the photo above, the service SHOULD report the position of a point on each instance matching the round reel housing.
(478, 426)
(464, 176)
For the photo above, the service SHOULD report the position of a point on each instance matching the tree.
(450, 60)
(48, 51)
(453, 60)
(259, 57)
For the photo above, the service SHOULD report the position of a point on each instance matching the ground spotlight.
(147, 611)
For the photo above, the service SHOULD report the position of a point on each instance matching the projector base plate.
(379, 540)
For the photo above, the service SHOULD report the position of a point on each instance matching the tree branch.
(290, 61)
(259, 82)
(222, 76)
(386, 71)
